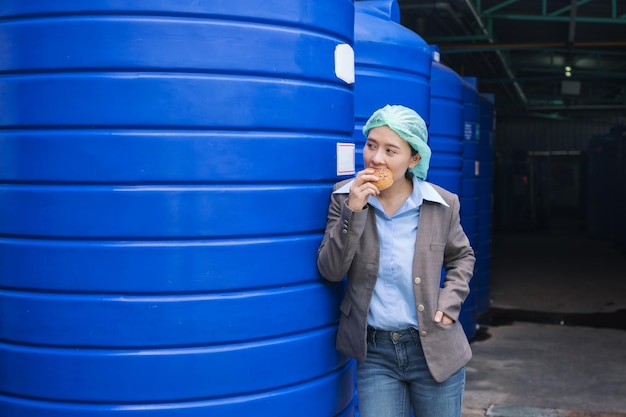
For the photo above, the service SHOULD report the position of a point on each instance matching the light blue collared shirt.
(393, 303)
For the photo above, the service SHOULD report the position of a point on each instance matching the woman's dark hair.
(408, 174)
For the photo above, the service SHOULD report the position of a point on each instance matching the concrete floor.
(554, 343)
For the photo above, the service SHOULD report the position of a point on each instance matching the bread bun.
(385, 178)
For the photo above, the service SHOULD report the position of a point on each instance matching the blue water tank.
(486, 156)
(471, 163)
(446, 141)
(446, 128)
(469, 183)
(392, 65)
(165, 170)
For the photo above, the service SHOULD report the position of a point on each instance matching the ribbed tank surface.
(165, 169)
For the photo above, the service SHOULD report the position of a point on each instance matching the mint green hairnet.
(409, 126)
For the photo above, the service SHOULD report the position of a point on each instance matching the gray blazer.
(351, 247)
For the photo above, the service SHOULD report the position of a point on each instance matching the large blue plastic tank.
(165, 169)
(471, 163)
(486, 157)
(446, 142)
(471, 171)
(446, 128)
(392, 65)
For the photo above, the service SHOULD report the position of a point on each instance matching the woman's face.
(384, 148)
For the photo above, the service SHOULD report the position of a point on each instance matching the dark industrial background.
(557, 70)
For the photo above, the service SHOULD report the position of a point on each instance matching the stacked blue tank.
(164, 177)
(446, 128)
(392, 65)
(482, 272)
(471, 168)
(446, 142)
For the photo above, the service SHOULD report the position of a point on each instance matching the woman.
(399, 317)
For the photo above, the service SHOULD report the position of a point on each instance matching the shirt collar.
(428, 191)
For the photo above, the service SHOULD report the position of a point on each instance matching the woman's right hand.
(361, 189)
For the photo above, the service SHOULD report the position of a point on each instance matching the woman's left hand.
(440, 317)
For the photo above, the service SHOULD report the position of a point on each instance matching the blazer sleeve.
(459, 260)
(344, 228)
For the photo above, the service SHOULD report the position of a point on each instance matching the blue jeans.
(394, 379)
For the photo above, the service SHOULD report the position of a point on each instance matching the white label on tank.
(344, 63)
(477, 168)
(345, 158)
